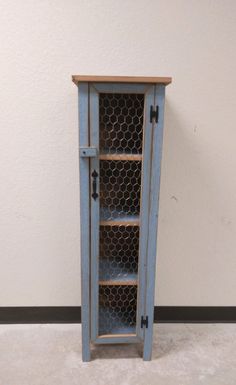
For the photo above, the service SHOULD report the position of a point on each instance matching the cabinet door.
(121, 131)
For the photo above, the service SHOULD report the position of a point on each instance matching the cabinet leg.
(147, 353)
(147, 346)
(86, 355)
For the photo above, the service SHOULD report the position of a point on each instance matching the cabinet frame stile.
(153, 219)
(83, 90)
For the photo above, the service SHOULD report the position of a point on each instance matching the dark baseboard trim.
(195, 314)
(40, 314)
(162, 314)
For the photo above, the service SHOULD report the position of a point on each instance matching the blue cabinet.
(120, 142)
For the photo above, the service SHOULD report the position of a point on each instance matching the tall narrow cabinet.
(120, 143)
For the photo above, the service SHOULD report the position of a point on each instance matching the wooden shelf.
(130, 157)
(118, 283)
(120, 222)
(121, 79)
(120, 218)
(120, 335)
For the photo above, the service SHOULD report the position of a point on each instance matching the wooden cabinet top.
(121, 79)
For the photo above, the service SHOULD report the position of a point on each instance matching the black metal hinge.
(154, 114)
(144, 322)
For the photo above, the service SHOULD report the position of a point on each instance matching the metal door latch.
(94, 176)
(87, 152)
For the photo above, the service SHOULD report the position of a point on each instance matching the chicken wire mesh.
(120, 185)
(117, 309)
(121, 132)
(118, 250)
(121, 123)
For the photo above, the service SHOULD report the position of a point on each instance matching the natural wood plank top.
(121, 79)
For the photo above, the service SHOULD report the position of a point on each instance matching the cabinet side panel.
(84, 222)
(145, 191)
(153, 219)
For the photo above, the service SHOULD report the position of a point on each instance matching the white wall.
(42, 44)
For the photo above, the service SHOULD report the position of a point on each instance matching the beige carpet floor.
(183, 354)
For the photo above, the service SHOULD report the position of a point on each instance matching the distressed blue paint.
(118, 340)
(89, 210)
(88, 152)
(84, 222)
(121, 88)
(94, 128)
(153, 220)
(95, 205)
(143, 234)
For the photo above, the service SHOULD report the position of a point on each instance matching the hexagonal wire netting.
(121, 132)
(117, 309)
(121, 123)
(118, 251)
(120, 185)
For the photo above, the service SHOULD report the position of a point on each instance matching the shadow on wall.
(188, 165)
(190, 206)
